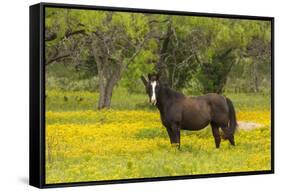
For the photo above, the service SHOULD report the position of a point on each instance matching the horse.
(178, 111)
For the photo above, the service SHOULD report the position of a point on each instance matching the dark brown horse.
(178, 111)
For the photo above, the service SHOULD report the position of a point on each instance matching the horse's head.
(152, 86)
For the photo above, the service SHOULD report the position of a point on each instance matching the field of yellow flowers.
(89, 145)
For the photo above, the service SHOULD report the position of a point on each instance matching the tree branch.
(50, 36)
(71, 33)
(57, 58)
(138, 49)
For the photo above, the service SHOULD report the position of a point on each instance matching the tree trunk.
(255, 76)
(102, 89)
(110, 86)
(160, 65)
(105, 95)
(103, 81)
(108, 94)
(106, 87)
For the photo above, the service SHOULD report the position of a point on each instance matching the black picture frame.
(37, 95)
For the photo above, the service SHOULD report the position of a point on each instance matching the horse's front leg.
(177, 132)
(174, 135)
(171, 135)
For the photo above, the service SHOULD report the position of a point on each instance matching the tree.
(179, 55)
(115, 48)
(113, 39)
(259, 50)
(176, 56)
(225, 42)
(254, 68)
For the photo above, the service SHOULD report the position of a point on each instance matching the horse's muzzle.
(153, 102)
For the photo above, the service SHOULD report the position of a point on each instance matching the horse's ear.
(144, 81)
(149, 76)
(157, 76)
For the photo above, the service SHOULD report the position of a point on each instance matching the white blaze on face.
(153, 97)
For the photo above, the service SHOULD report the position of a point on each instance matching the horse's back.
(199, 111)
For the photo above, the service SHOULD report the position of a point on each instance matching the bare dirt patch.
(248, 125)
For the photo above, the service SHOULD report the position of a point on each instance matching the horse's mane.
(172, 93)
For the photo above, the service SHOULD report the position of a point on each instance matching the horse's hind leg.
(227, 134)
(216, 134)
(231, 140)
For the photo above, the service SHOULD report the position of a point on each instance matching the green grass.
(83, 100)
(122, 100)
(251, 101)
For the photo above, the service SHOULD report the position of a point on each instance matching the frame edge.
(35, 141)
(36, 171)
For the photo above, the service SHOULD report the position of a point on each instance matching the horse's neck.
(164, 99)
(167, 97)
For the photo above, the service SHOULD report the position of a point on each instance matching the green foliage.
(90, 84)
(197, 54)
(55, 21)
(141, 65)
(67, 78)
(213, 74)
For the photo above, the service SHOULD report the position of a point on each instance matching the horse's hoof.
(176, 146)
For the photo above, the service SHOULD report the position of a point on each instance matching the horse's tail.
(232, 116)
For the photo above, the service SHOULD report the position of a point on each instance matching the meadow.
(129, 141)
